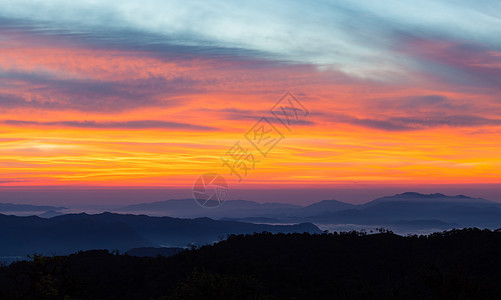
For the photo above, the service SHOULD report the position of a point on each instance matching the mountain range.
(234, 209)
(178, 223)
(74, 232)
(403, 212)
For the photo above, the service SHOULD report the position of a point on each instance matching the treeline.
(457, 264)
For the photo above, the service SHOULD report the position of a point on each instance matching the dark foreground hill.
(459, 264)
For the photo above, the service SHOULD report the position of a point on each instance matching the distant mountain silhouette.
(11, 207)
(261, 220)
(325, 206)
(234, 209)
(73, 232)
(428, 198)
(187, 208)
(405, 211)
(419, 211)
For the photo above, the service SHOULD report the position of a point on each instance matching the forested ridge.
(456, 264)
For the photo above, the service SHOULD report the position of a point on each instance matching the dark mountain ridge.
(73, 232)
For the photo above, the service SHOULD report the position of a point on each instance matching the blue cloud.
(353, 36)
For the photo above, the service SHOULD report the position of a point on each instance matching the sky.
(156, 93)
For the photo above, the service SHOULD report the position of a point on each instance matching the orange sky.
(77, 114)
